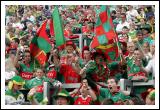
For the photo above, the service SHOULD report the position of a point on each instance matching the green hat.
(64, 93)
(16, 80)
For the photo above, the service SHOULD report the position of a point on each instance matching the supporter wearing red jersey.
(86, 96)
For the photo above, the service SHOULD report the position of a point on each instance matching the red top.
(70, 75)
(83, 101)
(52, 74)
(26, 75)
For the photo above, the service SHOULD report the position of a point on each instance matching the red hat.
(69, 42)
(84, 48)
(146, 93)
(98, 52)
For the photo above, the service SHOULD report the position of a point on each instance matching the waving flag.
(104, 29)
(105, 35)
(40, 45)
(58, 30)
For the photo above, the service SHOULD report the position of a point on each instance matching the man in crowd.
(13, 96)
(113, 91)
(63, 98)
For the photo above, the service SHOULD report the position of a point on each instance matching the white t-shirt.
(17, 25)
(121, 25)
(132, 13)
(151, 66)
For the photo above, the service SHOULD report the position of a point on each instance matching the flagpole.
(118, 48)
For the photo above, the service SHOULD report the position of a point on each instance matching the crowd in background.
(135, 27)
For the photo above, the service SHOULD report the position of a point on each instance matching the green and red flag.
(104, 28)
(105, 35)
(58, 29)
(40, 45)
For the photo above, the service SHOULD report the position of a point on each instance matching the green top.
(26, 72)
(129, 61)
(25, 68)
(36, 82)
(148, 39)
(93, 71)
(105, 93)
(133, 70)
(13, 94)
(15, 98)
(132, 34)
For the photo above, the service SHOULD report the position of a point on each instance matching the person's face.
(142, 21)
(70, 58)
(87, 54)
(69, 48)
(125, 37)
(12, 56)
(84, 92)
(130, 47)
(125, 31)
(123, 17)
(152, 48)
(39, 73)
(118, 14)
(132, 26)
(26, 48)
(146, 47)
(22, 42)
(30, 26)
(85, 83)
(123, 47)
(130, 7)
(27, 57)
(99, 59)
(13, 43)
(61, 101)
(17, 87)
(144, 31)
(140, 36)
(137, 54)
(112, 86)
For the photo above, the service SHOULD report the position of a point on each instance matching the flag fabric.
(40, 45)
(110, 50)
(58, 30)
(51, 27)
(104, 28)
(105, 35)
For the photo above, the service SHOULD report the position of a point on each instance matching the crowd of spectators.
(135, 27)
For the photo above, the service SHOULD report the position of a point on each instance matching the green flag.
(58, 30)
